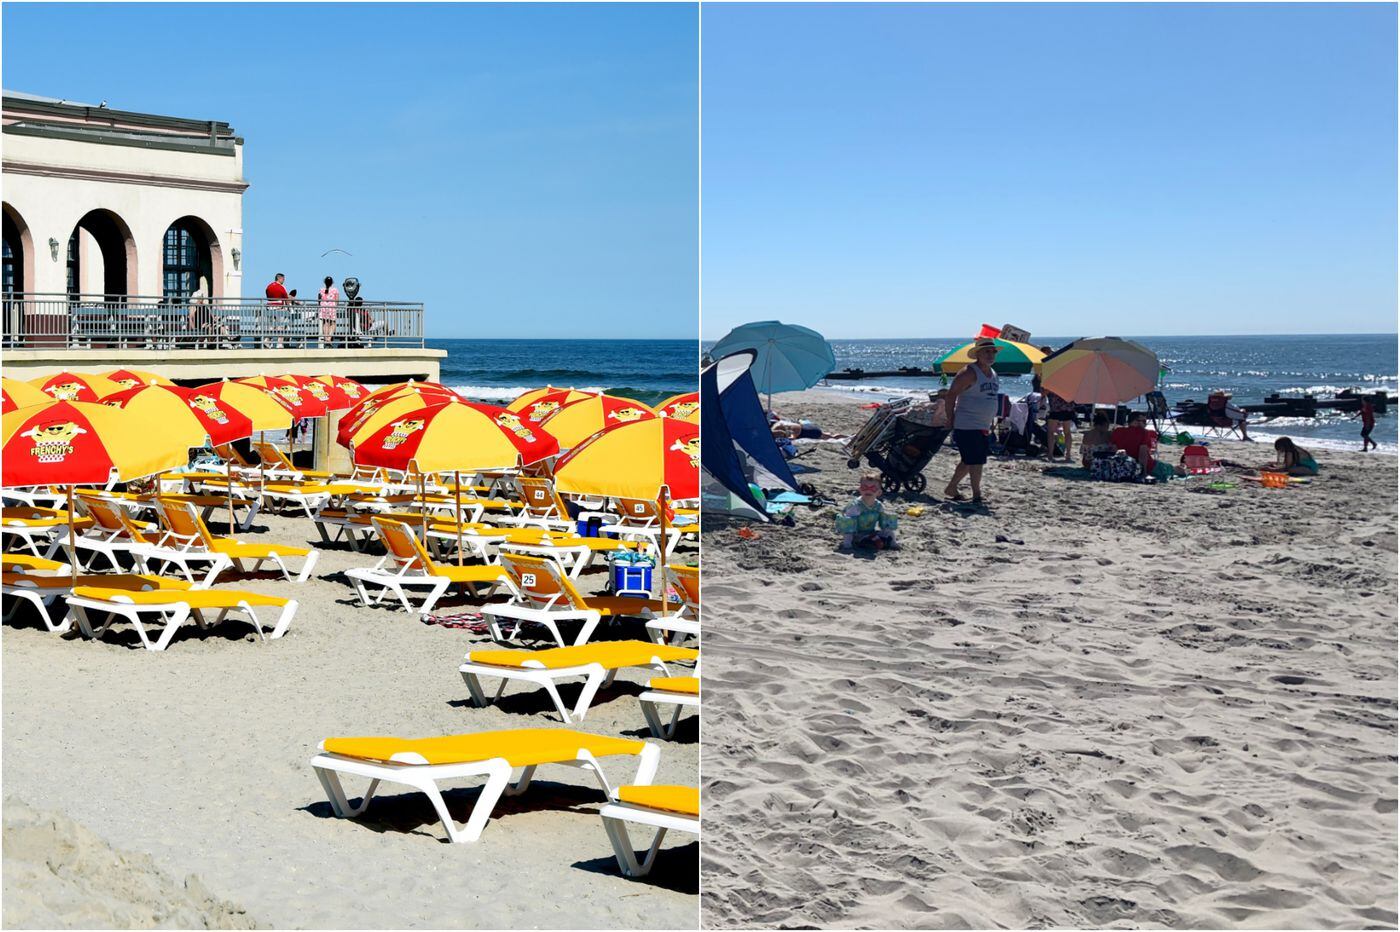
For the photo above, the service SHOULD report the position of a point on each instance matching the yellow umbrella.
(263, 409)
(576, 422)
(565, 396)
(390, 411)
(685, 407)
(19, 394)
(1012, 358)
(75, 386)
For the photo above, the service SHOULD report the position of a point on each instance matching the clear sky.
(914, 170)
(524, 170)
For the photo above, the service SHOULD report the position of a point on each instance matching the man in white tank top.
(972, 406)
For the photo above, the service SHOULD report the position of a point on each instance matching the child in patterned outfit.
(865, 523)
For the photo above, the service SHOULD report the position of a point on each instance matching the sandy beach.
(1087, 704)
(185, 773)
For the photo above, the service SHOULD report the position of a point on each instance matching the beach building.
(124, 247)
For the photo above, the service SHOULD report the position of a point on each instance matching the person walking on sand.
(1368, 424)
(329, 301)
(971, 405)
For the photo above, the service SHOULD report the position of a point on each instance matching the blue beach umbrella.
(788, 358)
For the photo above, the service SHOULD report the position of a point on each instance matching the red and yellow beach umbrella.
(266, 411)
(373, 418)
(576, 422)
(75, 386)
(635, 460)
(184, 415)
(684, 407)
(301, 402)
(330, 396)
(353, 391)
(425, 392)
(557, 396)
(17, 394)
(453, 437)
(130, 378)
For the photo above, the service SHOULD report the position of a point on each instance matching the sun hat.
(984, 343)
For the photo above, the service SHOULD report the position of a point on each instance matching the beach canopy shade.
(351, 389)
(82, 443)
(634, 460)
(75, 386)
(737, 442)
(267, 412)
(415, 392)
(1012, 358)
(788, 358)
(1100, 371)
(557, 396)
(327, 394)
(302, 403)
(576, 422)
(454, 436)
(17, 394)
(130, 378)
(181, 416)
(684, 407)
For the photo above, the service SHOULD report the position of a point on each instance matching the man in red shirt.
(276, 291)
(1138, 442)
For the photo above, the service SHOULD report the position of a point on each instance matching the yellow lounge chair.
(598, 664)
(187, 531)
(35, 566)
(38, 528)
(407, 563)
(640, 519)
(680, 691)
(422, 763)
(678, 624)
(41, 591)
(173, 608)
(275, 460)
(545, 595)
(664, 808)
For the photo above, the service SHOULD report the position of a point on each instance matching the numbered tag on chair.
(527, 579)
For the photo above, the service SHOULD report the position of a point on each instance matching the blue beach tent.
(737, 449)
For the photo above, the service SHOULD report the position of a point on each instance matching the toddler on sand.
(865, 523)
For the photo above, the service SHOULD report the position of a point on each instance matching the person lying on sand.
(865, 523)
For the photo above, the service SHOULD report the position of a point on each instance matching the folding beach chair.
(170, 609)
(545, 595)
(187, 531)
(1158, 411)
(682, 692)
(543, 506)
(1196, 460)
(679, 623)
(661, 807)
(148, 549)
(598, 664)
(422, 763)
(640, 519)
(272, 457)
(407, 563)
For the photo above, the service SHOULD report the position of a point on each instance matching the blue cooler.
(590, 527)
(631, 575)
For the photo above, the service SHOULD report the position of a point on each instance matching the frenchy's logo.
(53, 441)
(627, 414)
(511, 422)
(401, 431)
(210, 407)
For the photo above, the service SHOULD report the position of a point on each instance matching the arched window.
(186, 259)
(75, 278)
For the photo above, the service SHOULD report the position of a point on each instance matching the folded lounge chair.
(412, 565)
(424, 762)
(186, 530)
(598, 664)
(682, 692)
(43, 591)
(172, 609)
(546, 596)
(664, 808)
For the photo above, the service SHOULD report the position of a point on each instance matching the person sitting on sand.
(1293, 459)
(1097, 439)
(1138, 442)
(865, 522)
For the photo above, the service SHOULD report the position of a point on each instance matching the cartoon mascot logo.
(401, 431)
(317, 390)
(128, 382)
(290, 394)
(67, 391)
(690, 448)
(351, 390)
(511, 422)
(210, 407)
(684, 409)
(542, 410)
(53, 442)
(627, 414)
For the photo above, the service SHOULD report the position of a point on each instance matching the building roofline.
(32, 103)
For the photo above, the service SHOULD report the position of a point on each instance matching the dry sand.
(1086, 705)
(194, 761)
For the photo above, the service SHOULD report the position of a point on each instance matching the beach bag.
(1120, 467)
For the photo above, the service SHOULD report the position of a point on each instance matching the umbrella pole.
(423, 503)
(661, 551)
(72, 547)
(457, 491)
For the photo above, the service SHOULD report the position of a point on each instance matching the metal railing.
(57, 321)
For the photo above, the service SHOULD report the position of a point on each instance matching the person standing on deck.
(329, 300)
(971, 404)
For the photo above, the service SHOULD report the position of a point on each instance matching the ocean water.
(497, 371)
(1250, 367)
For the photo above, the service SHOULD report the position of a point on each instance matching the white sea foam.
(494, 393)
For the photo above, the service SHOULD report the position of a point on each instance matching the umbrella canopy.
(302, 403)
(81, 443)
(19, 394)
(267, 412)
(575, 423)
(402, 406)
(685, 407)
(130, 378)
(75, 386)
(1012, 358)
(454, 436)
(634, 461)
(348, 387)
(425, 393)
(330, 396)
(788, 358)
(548, 393)
(1101, 371)
(182, 416)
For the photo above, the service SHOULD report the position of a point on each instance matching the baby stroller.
(898, 441)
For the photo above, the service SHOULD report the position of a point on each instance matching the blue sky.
(915, 170)
(523, 170)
